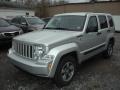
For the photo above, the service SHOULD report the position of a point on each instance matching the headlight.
(39, 52)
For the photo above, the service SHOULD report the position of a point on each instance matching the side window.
(110, 21)
(92, 24)
(103, 21)
(16, 21)
(23, 20)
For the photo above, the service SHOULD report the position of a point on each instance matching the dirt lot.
(94, 74)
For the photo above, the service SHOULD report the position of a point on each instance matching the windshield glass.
(3, 23)
(67, 22)
(34, 21)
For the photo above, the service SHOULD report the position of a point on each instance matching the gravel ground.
(96, 73)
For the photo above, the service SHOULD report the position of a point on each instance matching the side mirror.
(44, 26)
(91, 29)
(23, 23)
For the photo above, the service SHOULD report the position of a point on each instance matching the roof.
(27, 16)
(100, 1)
(81, 13)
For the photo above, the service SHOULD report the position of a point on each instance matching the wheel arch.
(60, 52)
(112, 40)
(74, 54)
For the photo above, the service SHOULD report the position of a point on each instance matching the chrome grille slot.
(23, 49)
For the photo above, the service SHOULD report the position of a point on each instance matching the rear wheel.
(109, 52)
(65, 71)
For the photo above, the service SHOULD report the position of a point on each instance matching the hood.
(9, 28)
(47, 37)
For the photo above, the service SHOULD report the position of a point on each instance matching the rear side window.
(103, 21)
(110, 21)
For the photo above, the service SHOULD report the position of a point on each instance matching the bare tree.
(114, 0)
(42, 9)
(93, 1)
(60, 2)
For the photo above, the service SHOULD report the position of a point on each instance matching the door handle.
(99, 33)
(108, 30)
(80, 36)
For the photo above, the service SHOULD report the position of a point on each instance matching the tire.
(109, 52)
(65, 71)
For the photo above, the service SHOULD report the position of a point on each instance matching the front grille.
(10, 34)
(23, 49)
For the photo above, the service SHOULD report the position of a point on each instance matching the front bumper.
(5, 40)
(6, 37)
(30, 66)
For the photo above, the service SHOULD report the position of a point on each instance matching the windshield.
(67, 22)
(3, 23)
(34, 21)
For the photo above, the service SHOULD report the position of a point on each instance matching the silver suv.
(66, 41)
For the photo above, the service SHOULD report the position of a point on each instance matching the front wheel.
(65, 71)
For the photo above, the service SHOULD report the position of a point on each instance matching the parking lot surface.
(96, 73)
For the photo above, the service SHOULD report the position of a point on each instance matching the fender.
(108, 39)
(58, 52)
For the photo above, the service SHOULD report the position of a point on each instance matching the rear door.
(103, 29)
(89, 41)
(111, 23)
